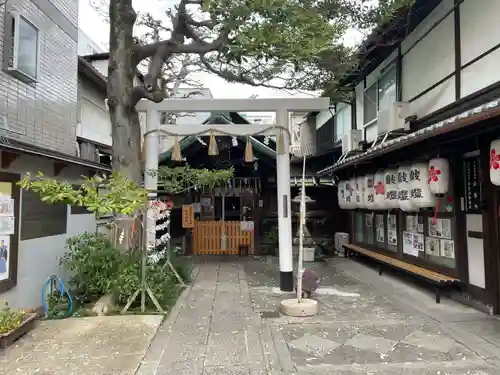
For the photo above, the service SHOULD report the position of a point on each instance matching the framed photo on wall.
(9, 229)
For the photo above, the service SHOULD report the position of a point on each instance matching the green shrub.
(98, 268)
(93, 263)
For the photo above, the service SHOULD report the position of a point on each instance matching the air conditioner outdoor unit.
(351, 141)
(393, 118)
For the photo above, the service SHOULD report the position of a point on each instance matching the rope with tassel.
(212, 146)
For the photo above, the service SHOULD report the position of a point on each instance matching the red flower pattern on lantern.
(433, 174)
(494, 160)
(379, 188)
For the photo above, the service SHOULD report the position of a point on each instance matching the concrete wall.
(39, 257)
(44, 113)
(432, 59)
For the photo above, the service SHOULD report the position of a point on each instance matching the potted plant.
(13, 324)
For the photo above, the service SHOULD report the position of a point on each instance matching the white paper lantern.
(439, 176)
(391, 188)
(404, 190)
(350, 200)
(495, 162)
(420, 193)
(368, 192)
(341, 194)
(360, 192)
(379, 191)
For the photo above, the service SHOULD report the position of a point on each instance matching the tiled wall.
(44, 113)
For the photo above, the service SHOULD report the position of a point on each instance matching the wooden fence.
(207, 237)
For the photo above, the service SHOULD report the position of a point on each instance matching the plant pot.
(8, 338)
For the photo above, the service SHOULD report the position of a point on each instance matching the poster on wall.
(440, 228)
(392, 222)
(411, 224)
(380, 235)
(418, 242)
(409, 244)
(7, 224)
(392, 237)
(448, 249)
(432, 246)
(6, 206)
(4, 257)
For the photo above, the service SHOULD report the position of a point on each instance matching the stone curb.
(167, 324)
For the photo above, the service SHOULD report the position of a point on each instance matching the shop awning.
(472, 116)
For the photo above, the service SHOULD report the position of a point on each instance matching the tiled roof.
(462, 120)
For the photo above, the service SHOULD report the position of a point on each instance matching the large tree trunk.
(126, 131)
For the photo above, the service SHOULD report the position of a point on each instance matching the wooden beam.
(7, 159)
(58, 167)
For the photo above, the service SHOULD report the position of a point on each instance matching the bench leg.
(438, 295)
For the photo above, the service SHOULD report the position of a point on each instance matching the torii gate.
(281, 106)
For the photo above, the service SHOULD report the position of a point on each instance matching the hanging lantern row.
(408, 188)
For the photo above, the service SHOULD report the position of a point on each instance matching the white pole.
(151, 165)
(302, 215)
(284, 208)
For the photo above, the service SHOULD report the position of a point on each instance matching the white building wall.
(429, 61)
(95, 124)
(39, 258)
(87, 46)
(480, 31)
(433, 58)
(323, 117)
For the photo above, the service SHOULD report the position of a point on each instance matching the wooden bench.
(439, 280)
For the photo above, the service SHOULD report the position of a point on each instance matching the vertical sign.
(188, 216)
(473, 194)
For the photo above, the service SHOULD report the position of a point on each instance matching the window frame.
(391, 67)
(11, 55)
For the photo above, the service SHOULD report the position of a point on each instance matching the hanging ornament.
(176, 151)
(212, 146)
(368, 192)
(391, 189)
(495, 162)
(266, 140)
(404, 201)
(379, 191)
(249, 151)
(439, 176)
(280, 143)
(420, 194)
(360, 192)
(234, 141)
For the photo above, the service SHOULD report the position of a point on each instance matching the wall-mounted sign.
(187, 216)
(473, 193)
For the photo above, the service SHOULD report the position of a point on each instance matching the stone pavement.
(213, 330)
(111, 345)
(367, 324)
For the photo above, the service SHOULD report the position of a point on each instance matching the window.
(380, 95)
(22, 58)
(34, 214)
(342, 122)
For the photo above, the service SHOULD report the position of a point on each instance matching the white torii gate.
(281, 106)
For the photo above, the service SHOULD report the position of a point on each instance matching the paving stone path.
(367, 324)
